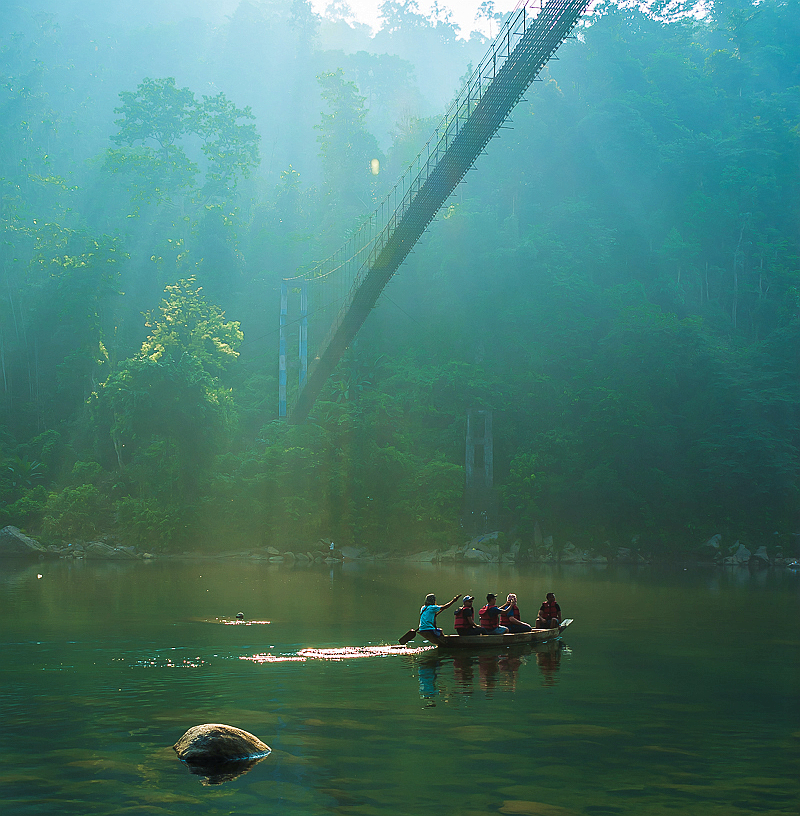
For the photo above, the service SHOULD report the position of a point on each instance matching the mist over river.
(674, 691)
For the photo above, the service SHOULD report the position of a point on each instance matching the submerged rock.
(214, 742)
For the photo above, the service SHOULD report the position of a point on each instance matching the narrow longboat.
(510, 639)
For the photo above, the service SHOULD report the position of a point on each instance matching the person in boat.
(549, 613)
(511, 619)
(489, 616)
(465, 618)
(428, 613)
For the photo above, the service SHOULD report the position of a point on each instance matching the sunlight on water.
(345, 653)
(232, 621)
(167, 663)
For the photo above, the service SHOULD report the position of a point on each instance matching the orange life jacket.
(488, 621)
(464, 621)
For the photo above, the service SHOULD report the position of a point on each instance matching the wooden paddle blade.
(409, 635)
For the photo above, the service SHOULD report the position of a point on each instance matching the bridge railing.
(361, 245)
(349, 265)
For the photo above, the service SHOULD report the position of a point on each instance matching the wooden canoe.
(510, 639)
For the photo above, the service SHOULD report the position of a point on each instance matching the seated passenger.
(465, 618)
(549, 613)
(427, 616)
(510, 618)
(489, 616)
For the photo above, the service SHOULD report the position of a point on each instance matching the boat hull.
(510, 639)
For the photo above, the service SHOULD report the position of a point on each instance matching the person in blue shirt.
(427, 616)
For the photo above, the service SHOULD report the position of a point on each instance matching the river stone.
(486, 543)
(214, 742)
(429, 555)
(572, 555)
(16, 544)
(473, 554)
(741, 556)
(101, 550)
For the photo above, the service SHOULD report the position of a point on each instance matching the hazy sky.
(463, 11)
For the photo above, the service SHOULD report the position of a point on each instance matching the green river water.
(675, 691)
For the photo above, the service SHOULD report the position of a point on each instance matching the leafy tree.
(167, 406)
(160, 112)
(347, 147)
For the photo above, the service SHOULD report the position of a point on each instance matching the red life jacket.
(487, 621)
(464, 621)
(510, 613)
(550, 609)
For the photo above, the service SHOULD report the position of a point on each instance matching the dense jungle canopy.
(618, 279)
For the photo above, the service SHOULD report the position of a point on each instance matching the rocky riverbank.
(486, 549)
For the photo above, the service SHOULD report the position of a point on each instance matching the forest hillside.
(617, 281)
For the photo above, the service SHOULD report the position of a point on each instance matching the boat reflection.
(548, 659)
(485, 670)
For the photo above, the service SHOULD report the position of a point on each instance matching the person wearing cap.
(465, 618)
(489, 616)
(428, 613)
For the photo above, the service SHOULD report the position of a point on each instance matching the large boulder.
(429, 555)
(481, 556)
(105, 552)
(14, 544)
(625, 555)
(711, 549)
(572, 555)
(760, 558)
(740, 556)
(213, 743)
(487, 542)
(451, 554)
(547, 551)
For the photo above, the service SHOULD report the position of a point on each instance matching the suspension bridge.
(363, 266)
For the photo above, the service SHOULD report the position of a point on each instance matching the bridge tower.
(480, 497)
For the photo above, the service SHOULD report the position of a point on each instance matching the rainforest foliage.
(617, 281)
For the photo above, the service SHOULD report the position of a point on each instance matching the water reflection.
(548, 659)
(485, 670)
(215, 773)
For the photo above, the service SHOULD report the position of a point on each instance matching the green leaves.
(188, 324)
(156, 124)
(157, 111)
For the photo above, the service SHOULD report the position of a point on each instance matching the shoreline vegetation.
(486, 549)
